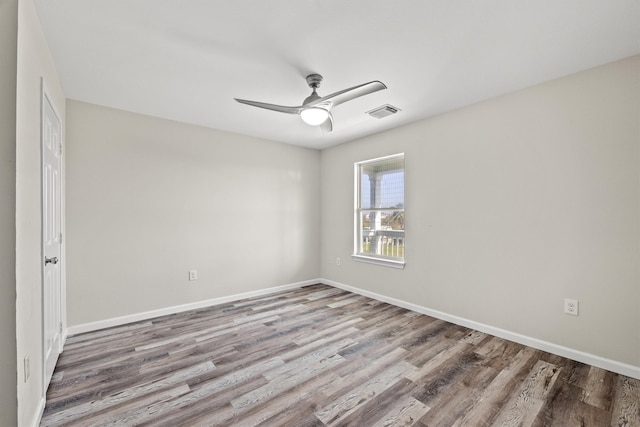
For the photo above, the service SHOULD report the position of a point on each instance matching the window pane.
(382, 185)
(392, 190)
(382, 233)
(365, 192)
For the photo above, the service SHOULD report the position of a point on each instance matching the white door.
(51, 237)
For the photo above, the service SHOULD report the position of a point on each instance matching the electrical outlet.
(337, 260)
(27, 367)
(571, 306)
(193, 274)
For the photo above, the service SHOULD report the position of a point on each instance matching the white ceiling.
(186, 60)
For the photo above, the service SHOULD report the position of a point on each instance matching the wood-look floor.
(321, 356)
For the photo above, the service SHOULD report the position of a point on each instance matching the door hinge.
(60, 149)
(61, 237)
(60, 327)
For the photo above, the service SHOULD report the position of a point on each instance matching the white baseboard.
(37, 417)
(569, 353)
(122, 320)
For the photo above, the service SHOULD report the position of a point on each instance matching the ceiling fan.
(315, 109)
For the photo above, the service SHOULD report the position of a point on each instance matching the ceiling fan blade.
(273, 107)
(327, 125)
(345, 95)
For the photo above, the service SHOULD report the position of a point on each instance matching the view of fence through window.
(380, 208)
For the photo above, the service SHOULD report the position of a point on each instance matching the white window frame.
(357, 237)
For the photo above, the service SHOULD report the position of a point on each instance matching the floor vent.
(383, 111)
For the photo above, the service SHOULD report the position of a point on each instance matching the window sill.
(378, 261)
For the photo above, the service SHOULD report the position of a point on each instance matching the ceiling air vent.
(383, 111)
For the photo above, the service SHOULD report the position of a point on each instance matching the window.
(379, 211)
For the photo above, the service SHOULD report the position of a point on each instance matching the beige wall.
(512, 205)
(149, 199)
(8, 57)
(34, 62)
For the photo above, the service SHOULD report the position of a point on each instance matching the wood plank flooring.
(319, 356)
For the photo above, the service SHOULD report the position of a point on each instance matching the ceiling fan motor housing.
(311, 98)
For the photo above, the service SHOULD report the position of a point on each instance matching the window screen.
(380, 210)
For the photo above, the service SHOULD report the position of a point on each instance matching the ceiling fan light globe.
(314, 116)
